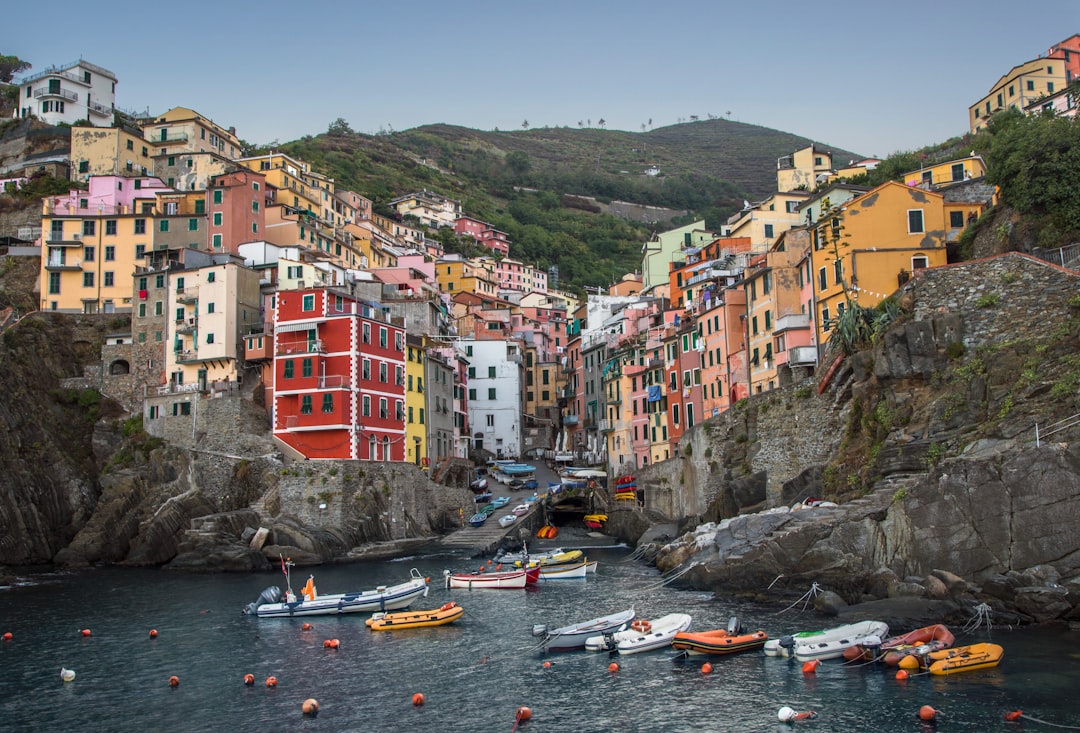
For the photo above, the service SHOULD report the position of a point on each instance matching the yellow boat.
(558, 558)
(965, 658)
(445, 614)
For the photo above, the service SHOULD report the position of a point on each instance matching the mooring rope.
(983, 616)
(805, 598)
(1047, 722)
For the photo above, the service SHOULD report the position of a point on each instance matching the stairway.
(482, 540)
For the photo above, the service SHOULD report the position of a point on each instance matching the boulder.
(829, 603)
(1043, 603)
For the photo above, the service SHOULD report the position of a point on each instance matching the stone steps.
(483, 539)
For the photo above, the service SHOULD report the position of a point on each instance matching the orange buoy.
(909, 662)
(418, 699)
(927, 713)
(902, 675)
(310, 707)
(335, 643)
(1014, 715)
(489, 562)
(706, 668)
(805, 716)
(613, 667)
(522, 713)
(153, 633)
(306, 627)
(482, 569)
(7, 636)
(85, 632)
(174, 681)
(326, 644)
(547, 664)
(249, 679)
(811, 666)
(499, 566)
(271, 681)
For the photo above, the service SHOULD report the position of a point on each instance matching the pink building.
(484, 234)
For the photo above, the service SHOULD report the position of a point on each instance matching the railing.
(301, 347)
(188, 293)
(791, 321)
(58, 239)
(101, 109)
(59, 263)
(654, 363)
(569, 420)
(71, 96)
(184, 356)
(798, 355)
(176, 137)
(605, 425)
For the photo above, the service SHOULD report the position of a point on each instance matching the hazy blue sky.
(874, 77)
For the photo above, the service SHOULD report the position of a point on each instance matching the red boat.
(920, 641)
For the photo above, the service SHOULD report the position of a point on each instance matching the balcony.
(187, 325)
(258, 348)
(61, 93)
(99, 109)
(61, 263)
(791, 322)
(802, 356)
(605, 426)
(173, 137)
(57, 239)
(187, 357)
(316, 420)
(655, 363)
(301, 347)
(569, 420)
(187, 295)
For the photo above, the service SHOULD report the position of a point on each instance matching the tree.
(10, 66)
(339, 128)
(525, 125)
(601, 123)
(518, 162)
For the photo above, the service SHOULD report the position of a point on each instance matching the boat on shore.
(642, 636)
(447, 613)
(498, 580)
(478, 519)
(827, 643)
(507, 519)
(958, 659)
(574, 636)
(272, 603)
(731, 640)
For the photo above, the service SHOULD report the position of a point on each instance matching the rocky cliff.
(925, 444)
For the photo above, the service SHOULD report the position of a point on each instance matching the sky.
(874, 77)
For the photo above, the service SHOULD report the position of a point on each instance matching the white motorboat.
(827, 643)
(567, 570)
(272, 603)
(574, 635)
(642, 636)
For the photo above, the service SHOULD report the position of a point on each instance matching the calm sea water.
(474, 674)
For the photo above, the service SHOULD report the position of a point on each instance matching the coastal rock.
(1043, 603)
(829, 603)
(935, 587)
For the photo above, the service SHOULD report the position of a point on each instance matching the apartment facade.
(68, 93)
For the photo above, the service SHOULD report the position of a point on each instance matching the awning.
(295, 326)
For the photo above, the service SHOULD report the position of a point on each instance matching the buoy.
(909, 662)
(785, 714)
(85, 632)
(902, 675)
(271, 681)
(334, 643)
(613, 667)
(310, 707)
(811, 666)
(499, 566)
(706, 668)
(418, 699)
(326, 644)
(489, 562)
(927, 713)
(7, 636)
(306, 627)
(174, 681)
(153, 633)
(522, 713)
(1014, 715)
(547, 664)
(249, 679)
(447, 606)
(482, 568)
(67, 675)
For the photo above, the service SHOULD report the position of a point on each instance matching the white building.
(68, 93)
(496, 385)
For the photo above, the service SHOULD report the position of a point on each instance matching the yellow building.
(1021, 86)
(946, 173)
(864, 249)
(461, 276)
(804, 169)
(287, 178)
(109, 151)
(416, 448)
(183, 130)
(208, 311)
(764, 221)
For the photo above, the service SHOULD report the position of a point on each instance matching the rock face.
(927, 443)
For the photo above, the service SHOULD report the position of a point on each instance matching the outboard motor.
(788, 642)
(872, 645)
(271, 594)
(539, 630)
(734, 626)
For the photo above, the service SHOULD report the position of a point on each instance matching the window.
(399, 341)
(365, 369)
(209, 338)
(838, 272)
(87, 279)
(108, 278)
(88, 228)
(305, 367)
(420, 385)
(421, 415)
(365, 333)
(410, 415)
(754, 326)
(823, 281)
(382, 337)
(384, 411)
(491, 372)
(309, 303)
(211, 276)
(399, 410)
(130, 145)
(255, 206)
(491, 393)
(142, 310)
(305, 404)
(140, 251)
(328, 402)
(383, 372)
(193, 225)
(140, 226)
(399, 373)
(915, 221)
(210, 307)
(826, 322)
(110, 227)
(289, 365)
(163, 225)
(89, 254)
(365, 409)
(768, 231)
(218, 194)
(768, 320)
(159, 308)
(472, 392)
(956, 220)
(110, 253)
(919, 263)
(159, 281)
(54, 283)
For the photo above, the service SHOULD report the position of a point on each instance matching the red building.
(1069, 49)
(236, 204)
(339, 377)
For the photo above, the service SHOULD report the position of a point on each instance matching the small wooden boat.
(959, 659)
(574, 635)
(563, 557)
(448, 613)
(481, 498)
(507, 519)
(720, 641)
(891, 651)
(827, 643)
(642, 636)
(500, 501)
(522, 509)
(498, 580)
(477, 519)
(567, 571)
(273, 604)
(518, 557)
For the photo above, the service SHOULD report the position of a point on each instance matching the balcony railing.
(802, 355)
(792, 321)
(301, 347)
(62, 93)
(55, 71)
(188, 294)
(570, 420)
(174, 137)
(183, 357)
(57, 239)
(605, 426)
(186, 325)
(60, 263)
(100, 109)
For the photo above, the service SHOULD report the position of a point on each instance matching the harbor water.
(474, 674)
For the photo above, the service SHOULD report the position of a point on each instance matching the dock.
(483, 540)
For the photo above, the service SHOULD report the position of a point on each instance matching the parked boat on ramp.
(642, 636)
(574, 636)
(272, 603)
(447, 613)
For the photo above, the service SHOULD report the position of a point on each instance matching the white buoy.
(785, 714)
(67, 675)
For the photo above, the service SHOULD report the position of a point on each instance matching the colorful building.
(804, 169)
(183, 130)
(109, 151)
(68, 93)
(1019, 87)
